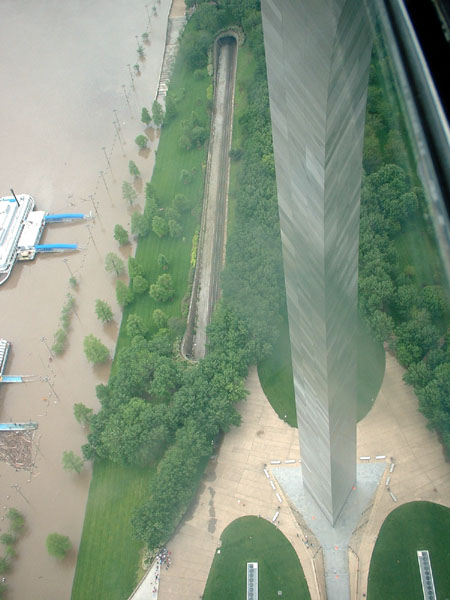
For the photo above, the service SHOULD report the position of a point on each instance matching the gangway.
(18, 378)
(55, 247)
(19, 426)
(66, 217)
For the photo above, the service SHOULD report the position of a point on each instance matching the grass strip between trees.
(108, 556)
(253, 539)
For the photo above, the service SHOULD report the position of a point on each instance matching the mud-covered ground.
(63, 66)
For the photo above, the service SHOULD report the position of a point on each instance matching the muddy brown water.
(63, 65)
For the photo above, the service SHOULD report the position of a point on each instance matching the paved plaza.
(235, 484)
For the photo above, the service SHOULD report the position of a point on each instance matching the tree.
(5, 564)
(163, 263)
(103, 311)
(160, 226)
(433, 299)
(16, 520)
(58, 545)
(72, 462)
(132, 167)
(159, 318)
(123, 294)
(136, 326)
(7, 539)
(198, 135)
(157, 113)
(171, 110)
(128, 191)
(82, 413)
(139, 224)
(121, 235)
(134, 268)
(141, 141)
(140, 284)
(175, 229)
(114, 264)
(185, 177)
(145, 116)
(162, 290)
(95, 351)
(180, 203)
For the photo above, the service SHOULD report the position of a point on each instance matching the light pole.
(92, 238)
(107, 159)
(66, 262)
(128, 101)
(18, 490)
(44, 341)
(118, 135)
(106, 186)
(131, 77)
(91, 197)
(117, 119)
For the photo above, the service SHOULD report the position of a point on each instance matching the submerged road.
(206, 288)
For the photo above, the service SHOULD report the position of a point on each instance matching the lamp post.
(117, 118)
(66, 262)
(120, 139)
(131, 77)
(128, 101)
(107, 158)
(44, 341)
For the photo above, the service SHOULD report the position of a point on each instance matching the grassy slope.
(394, 570)
(108, 556)
(106, 542)
(275, 373)
(251, 539)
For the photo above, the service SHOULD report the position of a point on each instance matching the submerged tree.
(103, 311)
(114, 264)
(95, 351)
(58, 545)
(128, 191)
(72, 462)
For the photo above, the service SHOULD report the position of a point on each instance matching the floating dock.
(18, 426)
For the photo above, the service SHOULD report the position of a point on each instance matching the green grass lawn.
(275, 373)
(394, 570)
(252, 539)
(108, 556)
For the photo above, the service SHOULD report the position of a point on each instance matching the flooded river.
(63, 66)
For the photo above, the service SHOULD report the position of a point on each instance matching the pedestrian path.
(149, 584)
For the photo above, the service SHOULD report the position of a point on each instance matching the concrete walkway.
(235, 484)
(395, 427)
(149, 584)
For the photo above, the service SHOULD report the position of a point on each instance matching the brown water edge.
(63, 65)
